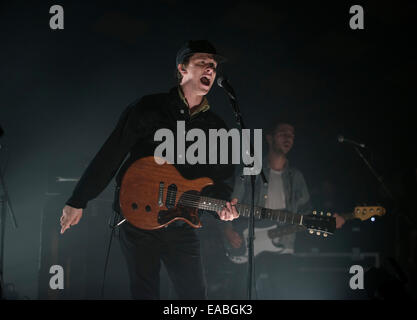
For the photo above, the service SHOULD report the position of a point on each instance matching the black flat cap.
(198, 46)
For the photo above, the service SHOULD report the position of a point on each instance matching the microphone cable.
(113, 229)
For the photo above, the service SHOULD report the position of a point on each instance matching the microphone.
(342, 139)
(224, 83)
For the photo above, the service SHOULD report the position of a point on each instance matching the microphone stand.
(378, 177)
(391, 196)
(251, 227)
(5, 203)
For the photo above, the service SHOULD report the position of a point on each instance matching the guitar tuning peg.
(321, 213)
(329, 214)
(314, 212)
(325, 234)
(318, 233)
(311, 231)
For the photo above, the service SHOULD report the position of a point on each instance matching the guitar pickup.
(161, 194)
(171, 196)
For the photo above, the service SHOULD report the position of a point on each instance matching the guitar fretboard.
(283, 216)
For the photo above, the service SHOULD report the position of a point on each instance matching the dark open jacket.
(133, 138)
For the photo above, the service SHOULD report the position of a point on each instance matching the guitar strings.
(196, 200)
(193, 200)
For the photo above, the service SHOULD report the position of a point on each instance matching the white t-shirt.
(276, 195)
(276, 200)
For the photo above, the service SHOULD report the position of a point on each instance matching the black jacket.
(134, 137)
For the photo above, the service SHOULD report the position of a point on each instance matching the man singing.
(133, 138)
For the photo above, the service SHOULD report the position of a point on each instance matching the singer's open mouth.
(205, 81)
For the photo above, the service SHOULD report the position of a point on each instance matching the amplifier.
(315, 275)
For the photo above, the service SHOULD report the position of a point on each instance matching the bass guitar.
(268, 239)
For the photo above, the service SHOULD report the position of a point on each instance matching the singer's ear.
(181, 68)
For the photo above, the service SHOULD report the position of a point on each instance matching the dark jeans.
(177, 246)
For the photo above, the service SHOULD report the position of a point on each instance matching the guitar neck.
(244, 210)
(364, 212)
(285, 230)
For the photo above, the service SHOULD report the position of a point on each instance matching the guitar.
(364, 213)
(268, 239)
(153, 196)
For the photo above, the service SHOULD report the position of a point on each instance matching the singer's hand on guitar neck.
(70, 217)
(229, 212)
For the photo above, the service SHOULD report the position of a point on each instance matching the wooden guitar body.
(152, 195)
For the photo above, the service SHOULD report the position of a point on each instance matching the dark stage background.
(62, 92)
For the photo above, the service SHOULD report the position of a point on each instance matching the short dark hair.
(273, 126)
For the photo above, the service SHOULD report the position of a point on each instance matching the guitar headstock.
(364, 213)
(319, 223)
